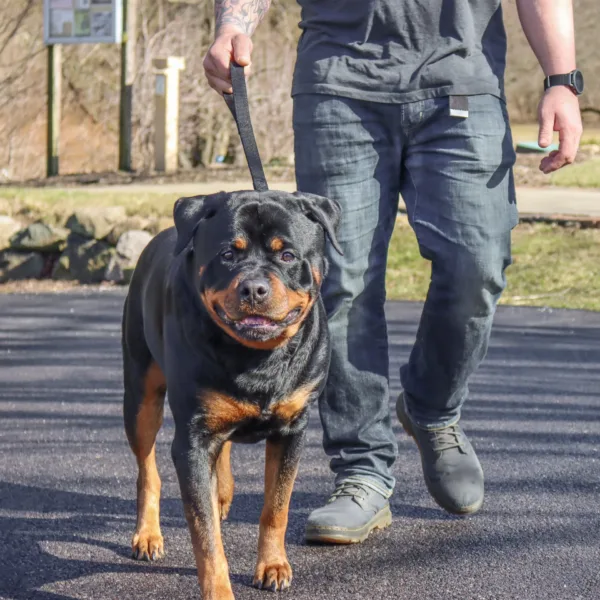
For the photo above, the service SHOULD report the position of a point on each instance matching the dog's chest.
(223, 413)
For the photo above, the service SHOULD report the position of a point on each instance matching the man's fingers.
(552, 162)
(217, 62)
(566, 153)
(546, 129)
(569, 142)
(220, 85)
(242, 49)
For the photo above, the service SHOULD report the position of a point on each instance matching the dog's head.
(258, 259)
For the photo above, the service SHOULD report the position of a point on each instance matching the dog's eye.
(227, 255)
(287, 256)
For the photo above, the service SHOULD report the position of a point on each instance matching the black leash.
(238, 105)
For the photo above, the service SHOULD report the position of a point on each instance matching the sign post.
(73, 22)
(130, 9)
(54, 108)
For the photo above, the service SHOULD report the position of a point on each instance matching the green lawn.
(528, 132)
(586, 174)
(57, 204)
(553, 266)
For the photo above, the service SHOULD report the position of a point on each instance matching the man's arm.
(548, 25)
(236, 21)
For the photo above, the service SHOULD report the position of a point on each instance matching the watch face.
(578, 81)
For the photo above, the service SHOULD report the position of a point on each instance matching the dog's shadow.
(57, 535)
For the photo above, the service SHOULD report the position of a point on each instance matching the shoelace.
(356, 488)
(349, 489)
(447, 438)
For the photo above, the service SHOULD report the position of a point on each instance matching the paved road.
(67, 478)
(545, 200)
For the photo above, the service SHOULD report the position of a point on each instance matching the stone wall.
(95, 245)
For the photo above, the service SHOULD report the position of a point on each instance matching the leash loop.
(238, 105)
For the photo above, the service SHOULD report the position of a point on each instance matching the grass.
(586, 175)
(553, 266)
(56, 205)
(528, 132)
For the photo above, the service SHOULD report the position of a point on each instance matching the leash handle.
(238, 105)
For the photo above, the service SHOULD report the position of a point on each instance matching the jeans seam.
(413, 219)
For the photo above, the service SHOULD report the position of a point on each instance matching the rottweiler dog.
(224, 312)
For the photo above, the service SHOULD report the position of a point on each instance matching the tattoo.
(244, 14)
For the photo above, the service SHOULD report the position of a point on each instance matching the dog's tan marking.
(147, 542)
(282, 301)
(213, 570)
(225, 482)
(317, 276)
(276, 244)
(221, 412)
(240, 243)
(290, 407)
(272, 565)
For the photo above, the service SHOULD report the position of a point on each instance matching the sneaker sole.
(407, 426)
(343, 535)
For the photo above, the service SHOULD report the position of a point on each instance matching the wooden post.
(54, 108)
(166, 112)
(130, 12)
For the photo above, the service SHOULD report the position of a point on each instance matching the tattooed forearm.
(243, 14)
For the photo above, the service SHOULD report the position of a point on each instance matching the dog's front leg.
(194, 463)
(273, 570)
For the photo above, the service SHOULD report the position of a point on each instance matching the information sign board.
(83, 21)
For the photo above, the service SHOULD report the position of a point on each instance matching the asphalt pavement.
(67, 477)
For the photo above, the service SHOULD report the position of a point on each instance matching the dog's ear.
(187, 214)
(324, 211)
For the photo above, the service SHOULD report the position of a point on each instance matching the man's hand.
(230, 44)
(559, 111)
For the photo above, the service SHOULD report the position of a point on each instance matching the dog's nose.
(255, 290)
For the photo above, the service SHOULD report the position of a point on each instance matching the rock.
(8, 226)
(40, 237)
(96, 221)
(117, 272)
(130, 246)
(128, 224)
(84, 261)
(62, 267)
(20, 265)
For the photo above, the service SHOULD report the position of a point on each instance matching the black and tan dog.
(224, 312)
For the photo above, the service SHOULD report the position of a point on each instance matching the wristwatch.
(574, 80)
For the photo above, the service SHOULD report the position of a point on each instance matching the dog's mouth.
(258, 327)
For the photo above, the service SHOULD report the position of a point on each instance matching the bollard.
(166, 114)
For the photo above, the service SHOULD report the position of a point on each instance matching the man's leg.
(458, 188)
(346, 150)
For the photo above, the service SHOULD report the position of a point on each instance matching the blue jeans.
(455, 176)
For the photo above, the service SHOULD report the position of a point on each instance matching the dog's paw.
(274, 576)
(147, 544)
(224, 506)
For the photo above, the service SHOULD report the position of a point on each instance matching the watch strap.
(564, 79)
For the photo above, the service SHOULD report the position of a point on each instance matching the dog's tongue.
(256, 321)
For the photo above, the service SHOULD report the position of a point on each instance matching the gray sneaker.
(356, 507)
(451, 468)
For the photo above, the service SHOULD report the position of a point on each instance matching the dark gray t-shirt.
(400, 50)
